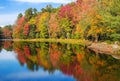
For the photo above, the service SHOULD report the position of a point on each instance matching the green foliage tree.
(66, 27)
(49, 9)
(32, 31)
(35, 12)
(29, 13)
(110, 11)
(1, 34)
(20, 15)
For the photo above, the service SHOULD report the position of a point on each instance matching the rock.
(104, 48)
(116, 56)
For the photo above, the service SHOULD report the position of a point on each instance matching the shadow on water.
(69, 59)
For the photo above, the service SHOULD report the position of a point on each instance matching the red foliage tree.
(66, 11)
(26, 29)
(20, 55)
(53, 25)
(18, 27)
(20, 21)
(21, 58)
(54, 57)
(7, 33)
(66, 69)
(79, 1)
(7, 44)
(27, 51)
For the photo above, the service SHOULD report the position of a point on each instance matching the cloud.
(23, 75)
(5, 55)
(39, 74)
(46, 1)
(6, 19)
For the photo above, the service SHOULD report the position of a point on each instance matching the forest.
(94, 20)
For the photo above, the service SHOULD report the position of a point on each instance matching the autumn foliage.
(73, 60)
(66, 11)
(27, 51)
(94, 20)
(26, 29)
(7, 33)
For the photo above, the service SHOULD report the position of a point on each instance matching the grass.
(70, 41)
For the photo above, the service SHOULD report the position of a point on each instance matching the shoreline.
(99, 47)
(69, 41)
(104, 48)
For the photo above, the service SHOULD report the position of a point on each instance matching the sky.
(9, 9)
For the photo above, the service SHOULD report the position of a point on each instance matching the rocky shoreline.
(104, 48)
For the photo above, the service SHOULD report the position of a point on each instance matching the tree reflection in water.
(72, 60)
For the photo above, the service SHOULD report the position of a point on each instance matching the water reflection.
(65, 61)
(7, 55)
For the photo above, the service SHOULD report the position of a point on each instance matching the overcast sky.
(9, 9)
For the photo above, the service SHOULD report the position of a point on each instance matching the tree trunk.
(96, 38)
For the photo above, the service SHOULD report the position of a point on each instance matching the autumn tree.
(18, 28)
(84, 19)
(22, 27)
(54, 29)
(96, 29)
(7, 45)
(42, 25)
(66, 27)
(26, 29)
(7, 31)
(66, 11)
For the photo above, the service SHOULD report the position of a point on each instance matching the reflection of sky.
(11, 70)
(5, 55)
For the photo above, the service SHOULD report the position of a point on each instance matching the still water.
(39, 61)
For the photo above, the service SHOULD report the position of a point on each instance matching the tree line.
(95, 20)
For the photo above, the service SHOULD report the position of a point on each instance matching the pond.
(42, 61)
